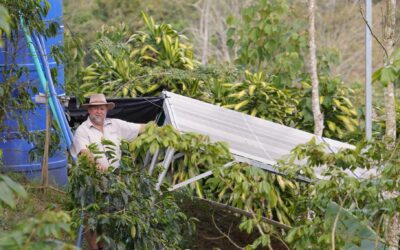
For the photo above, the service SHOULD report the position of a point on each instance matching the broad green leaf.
(16, 187)
(133, 231)
(350, 228)
(331, 125)
(6, 195)
(388, 75)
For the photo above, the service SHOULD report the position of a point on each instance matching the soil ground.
(209, 237)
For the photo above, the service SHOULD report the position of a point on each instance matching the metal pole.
(368, 70)
(153, 161)
(146, 158)
(200, 176)
(167, 160)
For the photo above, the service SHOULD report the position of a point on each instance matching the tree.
(318, 116)
(393, 233)
(204, 25)
(218, 12)
(389, 41)
(265, 39)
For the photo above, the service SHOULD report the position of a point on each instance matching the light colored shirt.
(114, 130)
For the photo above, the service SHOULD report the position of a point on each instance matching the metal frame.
(167, 161)
(199, 177)
(153, 161)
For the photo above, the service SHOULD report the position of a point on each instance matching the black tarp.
(138, 110)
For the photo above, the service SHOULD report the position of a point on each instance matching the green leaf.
(355, 233)
(230, 32)
(291, 235)
(16, 187)
(133, 232)
(230, 20)
(388, 75)
(4, 20)
(6, 195)
(230, 43)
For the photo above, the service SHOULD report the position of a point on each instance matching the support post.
(368, 70)
(200, 176)
(146, 159)
(167, 161)
(153, 161)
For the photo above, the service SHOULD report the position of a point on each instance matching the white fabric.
(115, 130)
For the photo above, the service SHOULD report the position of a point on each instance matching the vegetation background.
(224, 53)
(339, 25)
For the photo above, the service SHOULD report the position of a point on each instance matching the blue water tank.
(16, 150)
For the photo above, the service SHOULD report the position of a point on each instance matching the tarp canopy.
(258, 142)
(138, 110)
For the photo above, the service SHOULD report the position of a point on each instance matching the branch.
(336, 220)
(225, 235)
(243, 212)
(213, 238)
(260, 230)
(334, 230)
(44, 187)
(276, 236)
(372, 33)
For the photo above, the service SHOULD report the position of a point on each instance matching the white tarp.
(251, 139)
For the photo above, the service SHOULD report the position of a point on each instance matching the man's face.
(97, 114)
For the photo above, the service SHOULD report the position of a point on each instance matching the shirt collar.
(89, 123)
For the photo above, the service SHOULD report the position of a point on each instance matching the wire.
(256, 137)
(327, 144)
(146, 98)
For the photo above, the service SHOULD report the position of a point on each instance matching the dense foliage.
(265, 40)
(44, 231)
(268, 80)
(351, 202)
(340, 114)
(239, 185)
(197, 153)
(322, 213)
(124, 206)
(257, 97)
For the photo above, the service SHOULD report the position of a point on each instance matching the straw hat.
(98, 99)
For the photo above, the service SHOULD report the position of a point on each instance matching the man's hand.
(88, 154)
(102, 168)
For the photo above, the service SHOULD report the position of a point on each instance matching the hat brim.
(110, 105)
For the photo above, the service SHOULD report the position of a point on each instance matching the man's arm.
(79, 142)
(129, 130)
(141, 128)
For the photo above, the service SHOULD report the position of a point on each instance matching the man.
(98, 127)
(93, 130)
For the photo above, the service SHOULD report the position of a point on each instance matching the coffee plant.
(340, 209)
(123, 206)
